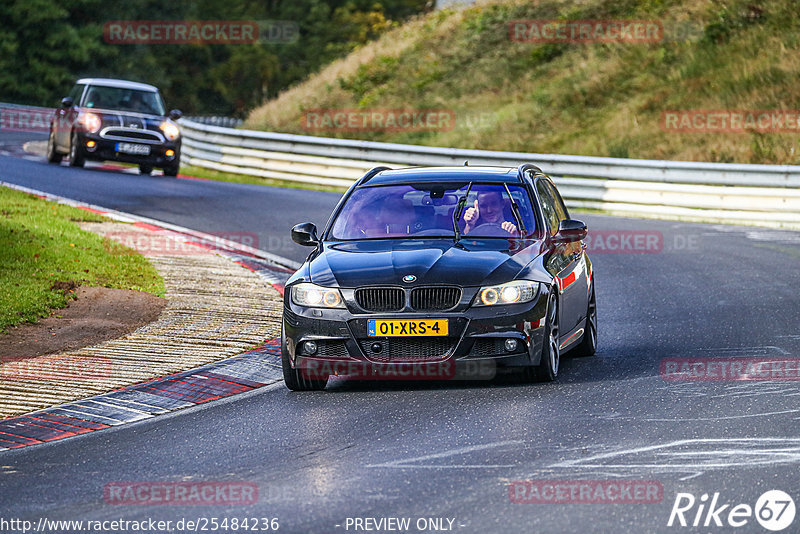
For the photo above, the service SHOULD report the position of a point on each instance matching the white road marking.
(682, 419)
(746, 351)
(403, 464)
(738, 452)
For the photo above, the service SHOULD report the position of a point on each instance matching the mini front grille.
(434, 298)
(134, 135)
(381, 299)
(407, 349)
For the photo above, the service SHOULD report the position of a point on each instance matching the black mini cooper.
(118, 120)
(426, 267)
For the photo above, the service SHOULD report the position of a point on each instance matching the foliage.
(46, 44)
(589, 98)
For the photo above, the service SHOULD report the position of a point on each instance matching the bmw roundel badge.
(409, 278)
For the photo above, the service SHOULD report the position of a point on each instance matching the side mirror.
(305, 234)
(67, 102)
(570, 230)
(175, 114)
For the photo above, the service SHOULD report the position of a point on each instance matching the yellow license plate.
(407, 327)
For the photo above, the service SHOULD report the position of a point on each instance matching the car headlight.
(515, 292)
(171, 131)
(314, 296)
(91, 122)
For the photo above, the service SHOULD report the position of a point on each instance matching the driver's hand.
(471, 215)
(509, 227)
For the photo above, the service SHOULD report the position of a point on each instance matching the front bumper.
(475, 334)
(106, 150)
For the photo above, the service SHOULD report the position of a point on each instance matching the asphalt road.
(440, 450)
(228, 209)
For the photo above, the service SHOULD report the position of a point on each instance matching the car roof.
(445, 174)
(124, 84)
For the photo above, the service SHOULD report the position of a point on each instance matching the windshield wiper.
(457, 214)
(517, 215)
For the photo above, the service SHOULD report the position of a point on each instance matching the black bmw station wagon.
(424, 266)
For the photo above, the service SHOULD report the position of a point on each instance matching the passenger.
(137, 103)
(490, 208)
(394, 219)
(93, 100)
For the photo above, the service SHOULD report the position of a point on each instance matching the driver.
(489, 209)
(138, 104)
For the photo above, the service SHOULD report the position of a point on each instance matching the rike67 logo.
(774, 510)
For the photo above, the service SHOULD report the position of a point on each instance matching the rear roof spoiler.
(527, 167)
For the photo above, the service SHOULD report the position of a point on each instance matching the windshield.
(396, 211)
(118, 98)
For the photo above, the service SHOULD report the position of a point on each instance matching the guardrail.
(225, 122)
(766, 195)
(18, 118)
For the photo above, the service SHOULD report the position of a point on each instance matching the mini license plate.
(133, 148)
(407, 327)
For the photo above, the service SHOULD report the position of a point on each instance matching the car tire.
(588, 345)
(145, 169)
(294, 379)
(76, 156)
(52, 154)
(171, 171)
(547, 371)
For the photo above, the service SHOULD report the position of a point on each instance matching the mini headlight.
(515, 292)
(91, 122)
(171, 131)
(315, 296)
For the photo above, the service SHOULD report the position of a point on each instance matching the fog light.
(91, 145)
(511, 345)
(170, 153)
(310, 347)
(376, 347)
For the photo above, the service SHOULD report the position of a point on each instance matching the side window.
(76, 93)
(548, 207)
(561, 209)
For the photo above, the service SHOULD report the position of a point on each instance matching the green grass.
(42, 249)
(598, 99)
(200, 172)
